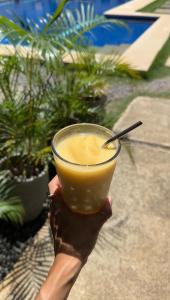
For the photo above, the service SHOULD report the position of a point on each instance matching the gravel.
(119, 89)
(158, 85)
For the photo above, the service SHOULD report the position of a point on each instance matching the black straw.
(118, 135)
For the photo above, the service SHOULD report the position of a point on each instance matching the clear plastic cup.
(84, 187)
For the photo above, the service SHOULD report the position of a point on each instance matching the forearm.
(61, 278)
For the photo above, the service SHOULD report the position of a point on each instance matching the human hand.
(74, 234)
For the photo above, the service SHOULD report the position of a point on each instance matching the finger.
(54, 186)
(54, 204)
(108, 207)
(110, 200)
(55, 208)
(106, 211)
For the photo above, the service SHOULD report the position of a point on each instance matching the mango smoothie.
(84, 167)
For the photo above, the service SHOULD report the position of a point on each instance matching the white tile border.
(142, 53)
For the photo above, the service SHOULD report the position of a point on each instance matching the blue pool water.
(116, 35)
(39, 8)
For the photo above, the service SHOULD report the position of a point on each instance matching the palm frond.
(98, 65)
(56, 15)
(10, 206)
(13, 32)
(11, 210)
(6, 186)
(123, 68)
(73, 24)
(42, 154)
(6, 23)
(61, 32)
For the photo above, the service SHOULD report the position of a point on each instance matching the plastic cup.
(84, 187)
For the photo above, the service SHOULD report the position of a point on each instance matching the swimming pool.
(34, 9)
(116, 35)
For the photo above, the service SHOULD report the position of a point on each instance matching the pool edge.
(142, 53)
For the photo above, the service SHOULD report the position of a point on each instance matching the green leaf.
(5, 24)
(11, 208)
(56, 15)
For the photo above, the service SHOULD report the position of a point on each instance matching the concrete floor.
(132, 260)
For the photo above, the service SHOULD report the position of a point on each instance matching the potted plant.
(40, 94)
(31, 111)
(23, 132)
(61, 36)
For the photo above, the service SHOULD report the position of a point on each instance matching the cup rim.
(84, 165)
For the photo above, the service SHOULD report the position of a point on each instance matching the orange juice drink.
(84, 167)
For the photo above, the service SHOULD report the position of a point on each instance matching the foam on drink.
(85, 149)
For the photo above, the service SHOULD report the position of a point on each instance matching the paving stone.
(132, 257)
(132, 260)
(155, 115)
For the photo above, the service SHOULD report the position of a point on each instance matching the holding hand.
(74, 234)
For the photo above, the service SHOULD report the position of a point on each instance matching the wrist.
(61, 277)
(66, 262)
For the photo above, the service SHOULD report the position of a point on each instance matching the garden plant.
(41, 94)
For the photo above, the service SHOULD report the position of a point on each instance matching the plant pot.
(96, 101)
(33, 193)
